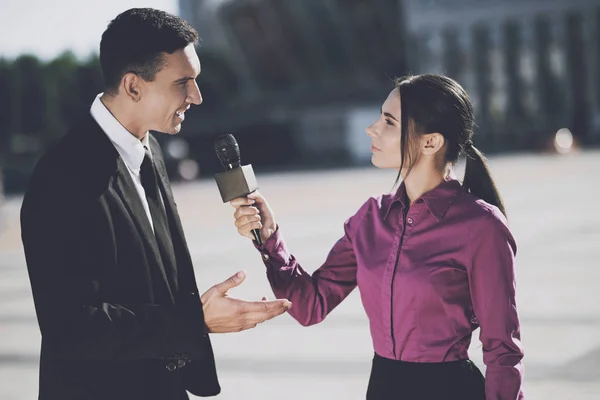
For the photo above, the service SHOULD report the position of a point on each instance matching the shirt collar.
(130, 148)
(438, 200)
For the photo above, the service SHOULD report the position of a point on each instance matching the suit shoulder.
(56, 162)
(66, 160)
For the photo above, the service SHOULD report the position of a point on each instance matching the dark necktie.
(149, 180)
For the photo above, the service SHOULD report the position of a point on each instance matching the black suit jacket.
(90, 250)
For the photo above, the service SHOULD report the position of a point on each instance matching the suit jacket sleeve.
(65, 270)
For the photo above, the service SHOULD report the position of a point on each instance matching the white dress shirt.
(130, 148)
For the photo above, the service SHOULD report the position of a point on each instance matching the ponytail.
(478, 180)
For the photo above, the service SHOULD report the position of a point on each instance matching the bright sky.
(46, 28)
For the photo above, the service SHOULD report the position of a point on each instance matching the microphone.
(237, 180)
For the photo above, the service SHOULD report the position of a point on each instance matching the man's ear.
(431, 143)
(131, 85)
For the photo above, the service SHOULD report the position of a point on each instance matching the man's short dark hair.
(136, 40)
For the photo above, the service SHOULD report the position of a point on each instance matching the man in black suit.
(111, 275)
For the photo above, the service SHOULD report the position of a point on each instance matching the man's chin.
(175, 130)
(172, 130)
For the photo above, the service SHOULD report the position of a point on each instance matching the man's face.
(164, 101)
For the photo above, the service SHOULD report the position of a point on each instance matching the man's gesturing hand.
(224, 314)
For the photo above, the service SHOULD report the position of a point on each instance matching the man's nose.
(194, 96)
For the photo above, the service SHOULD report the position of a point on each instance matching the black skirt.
(401, 380)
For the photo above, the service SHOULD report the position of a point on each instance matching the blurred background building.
(298, 81)
(309, 76)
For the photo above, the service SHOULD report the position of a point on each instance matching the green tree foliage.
(39, 101)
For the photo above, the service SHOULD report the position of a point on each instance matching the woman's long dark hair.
(434, 103)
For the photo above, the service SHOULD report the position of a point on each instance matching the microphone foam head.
(228, 151)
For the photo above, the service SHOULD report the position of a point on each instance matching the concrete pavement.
(552, 203)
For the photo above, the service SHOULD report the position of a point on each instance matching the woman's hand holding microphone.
(253, 212)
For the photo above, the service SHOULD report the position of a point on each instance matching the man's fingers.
(274, 307)
(230, 282)
(250, 320)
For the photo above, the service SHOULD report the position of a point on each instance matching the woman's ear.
(431, 143)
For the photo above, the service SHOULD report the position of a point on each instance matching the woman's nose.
(371, 131)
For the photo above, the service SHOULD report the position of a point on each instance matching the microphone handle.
(257, 237)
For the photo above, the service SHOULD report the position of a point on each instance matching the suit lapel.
(186, 274)
(125, 188)
(128, 193)
(165, 187)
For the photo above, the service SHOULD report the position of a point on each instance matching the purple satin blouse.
(428, 275)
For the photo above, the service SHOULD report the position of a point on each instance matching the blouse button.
(265, 257)
(409, 220)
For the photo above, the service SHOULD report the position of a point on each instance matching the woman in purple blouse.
(433, 261)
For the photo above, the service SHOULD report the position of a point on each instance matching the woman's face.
(385, 134)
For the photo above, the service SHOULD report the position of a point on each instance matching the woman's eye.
(387, 121)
